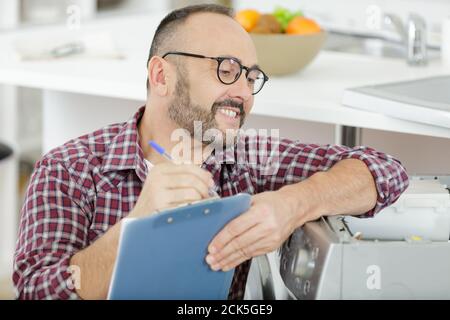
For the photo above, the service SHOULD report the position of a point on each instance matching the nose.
(241, 89)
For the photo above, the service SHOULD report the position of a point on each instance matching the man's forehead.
(218, 35)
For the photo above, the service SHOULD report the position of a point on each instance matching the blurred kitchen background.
(358, 27)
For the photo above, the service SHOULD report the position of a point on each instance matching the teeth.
(229, 113)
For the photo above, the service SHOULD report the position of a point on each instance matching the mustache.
(228, 102)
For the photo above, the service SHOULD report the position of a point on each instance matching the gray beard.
(184, 113)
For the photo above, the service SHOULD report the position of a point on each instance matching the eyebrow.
(240, 61)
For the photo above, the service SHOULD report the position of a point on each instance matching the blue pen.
(160, 150)
(163, 152)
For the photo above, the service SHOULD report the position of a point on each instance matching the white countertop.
(313, 94)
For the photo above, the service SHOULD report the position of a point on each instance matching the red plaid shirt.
(82, 188)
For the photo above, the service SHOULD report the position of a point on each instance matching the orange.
(302, 25)
(248, 18)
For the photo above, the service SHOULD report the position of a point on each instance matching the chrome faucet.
(413, 36)
(417, 40)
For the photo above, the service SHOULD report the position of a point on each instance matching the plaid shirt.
(82, 188)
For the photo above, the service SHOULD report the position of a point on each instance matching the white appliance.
(264, 280)
(328, 259)
(422, 211)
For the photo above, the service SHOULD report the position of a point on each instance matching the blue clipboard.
(163, 256)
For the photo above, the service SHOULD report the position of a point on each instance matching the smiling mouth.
(232, 113)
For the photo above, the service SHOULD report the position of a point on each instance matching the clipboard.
(163, 256)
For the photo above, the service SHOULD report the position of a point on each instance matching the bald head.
(166, 33)
(216, 35)
(207, 29)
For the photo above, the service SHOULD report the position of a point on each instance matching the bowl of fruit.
(285, 41)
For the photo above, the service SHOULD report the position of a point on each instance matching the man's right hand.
(169, 185)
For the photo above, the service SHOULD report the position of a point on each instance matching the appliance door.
(264, 280)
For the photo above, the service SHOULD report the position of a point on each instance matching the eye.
(224, 72)
(253, 76)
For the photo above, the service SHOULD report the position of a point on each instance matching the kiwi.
(267, 23)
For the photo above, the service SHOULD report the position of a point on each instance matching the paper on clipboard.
(163, 256)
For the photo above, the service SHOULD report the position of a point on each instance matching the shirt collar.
(229, 156)
(217, 160)
(124, 151)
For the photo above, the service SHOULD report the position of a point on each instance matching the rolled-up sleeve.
(389, 175)
(298, 161)
(52, 229)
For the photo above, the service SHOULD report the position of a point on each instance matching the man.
(202, 67)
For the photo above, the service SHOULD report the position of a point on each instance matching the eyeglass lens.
(230, 70)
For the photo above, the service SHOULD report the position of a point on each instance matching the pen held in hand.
(161, 151)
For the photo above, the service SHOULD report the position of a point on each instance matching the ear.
(158, 72)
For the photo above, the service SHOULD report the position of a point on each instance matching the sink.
(424, 100)
(371, 46)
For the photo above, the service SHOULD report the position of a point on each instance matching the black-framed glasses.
(229, 70)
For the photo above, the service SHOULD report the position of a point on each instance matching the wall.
(419, 154)
(305, 131)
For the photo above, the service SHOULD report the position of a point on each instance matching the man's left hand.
(262, 229)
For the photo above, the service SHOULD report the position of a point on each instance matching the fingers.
(178, 196)
(169, 185)
(189, 181)
(251, 243)
(175, 169)
(233, 229)
(180, 183)
(236, 259)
